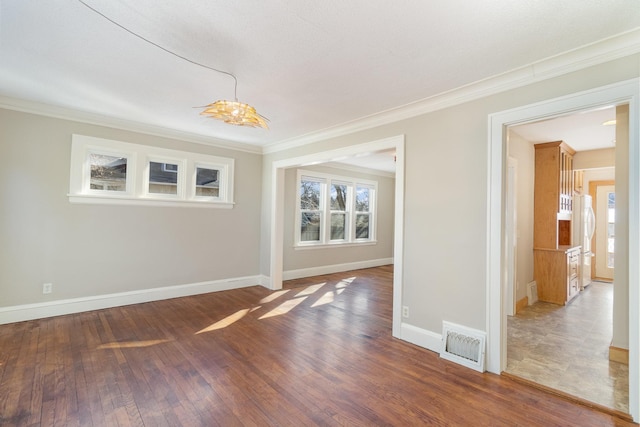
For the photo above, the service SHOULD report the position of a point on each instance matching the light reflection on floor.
(285, 306)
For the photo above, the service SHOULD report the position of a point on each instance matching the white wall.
(298, 259)
(523, 151)
(88, 250)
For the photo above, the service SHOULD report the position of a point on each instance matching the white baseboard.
(265, 281)
(335, 268)
(20, 313)
(421, 337)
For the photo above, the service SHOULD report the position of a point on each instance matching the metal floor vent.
(463, 345)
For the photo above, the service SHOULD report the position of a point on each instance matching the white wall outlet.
(47, 288)
(405, 311)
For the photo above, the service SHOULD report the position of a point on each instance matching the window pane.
(163, 178)
(207, 183)
(310, 227)
(338, 221)
(108, 172)
(362, 226)
(338, 197)
(362, 199)
(309, 195)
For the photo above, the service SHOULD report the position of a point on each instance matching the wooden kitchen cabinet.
(553, 195)
(556, 272)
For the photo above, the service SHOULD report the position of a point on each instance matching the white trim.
(622, 92)
(113, 200)
(335, 268)
(421, 337)
(277, 210)
(24, 312)
(360, 169)
(337, 244)
(265, 281)
(606, 50)
(64, 113)
(139, 159)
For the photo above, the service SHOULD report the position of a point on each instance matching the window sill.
(302, 247)
(115, 200)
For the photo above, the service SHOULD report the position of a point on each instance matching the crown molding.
(64, 113)
(359, 169)
(602, 51)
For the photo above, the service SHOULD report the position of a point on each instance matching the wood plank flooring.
(319, 352)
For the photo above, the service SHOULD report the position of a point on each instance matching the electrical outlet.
(405, 311)
(47, 288)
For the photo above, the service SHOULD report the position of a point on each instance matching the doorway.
(616, 94)
(277, 211)
(603, 194)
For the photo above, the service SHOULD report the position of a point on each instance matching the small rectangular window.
(168, 167)
(115, 172)
(162, 181)
(362, 212)
(338, 205)
(108, 173)
(207, 183)
(310, 227)
(310, 215)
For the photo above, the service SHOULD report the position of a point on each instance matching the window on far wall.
(334, 210)
(115, 172)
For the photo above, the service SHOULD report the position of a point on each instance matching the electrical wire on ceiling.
(232, 112)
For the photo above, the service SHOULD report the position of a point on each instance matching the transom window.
(105, 171)
(333, 210)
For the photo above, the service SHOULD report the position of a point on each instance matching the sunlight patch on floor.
(327, 298)
(310, 289)
(273, 296)
(345, 282)
(226, 321)
(129, 344)
(283, 308)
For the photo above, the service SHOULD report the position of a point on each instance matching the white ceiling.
(306, 65)
(583, 131)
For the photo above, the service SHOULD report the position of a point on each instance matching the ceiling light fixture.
(232, 112)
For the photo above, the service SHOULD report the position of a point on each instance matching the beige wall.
(592, 159)
(523, 151)
(445, 210)
(87, 250)
(308, 258)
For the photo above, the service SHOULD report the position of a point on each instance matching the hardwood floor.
(319, 352)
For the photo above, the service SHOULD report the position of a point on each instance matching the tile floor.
(567, 348)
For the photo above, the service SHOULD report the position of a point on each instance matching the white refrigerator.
(584, 225)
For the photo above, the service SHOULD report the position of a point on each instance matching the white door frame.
(277, 210)
(619, 93)
(511, 254)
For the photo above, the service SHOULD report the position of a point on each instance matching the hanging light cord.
(235, 90)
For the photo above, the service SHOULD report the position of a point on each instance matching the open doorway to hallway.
(562, 330)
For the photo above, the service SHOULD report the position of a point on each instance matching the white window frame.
(373, 194)
(326, 180)
(180, 184)
(137, 177)
(347, 212)
(223, 174)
